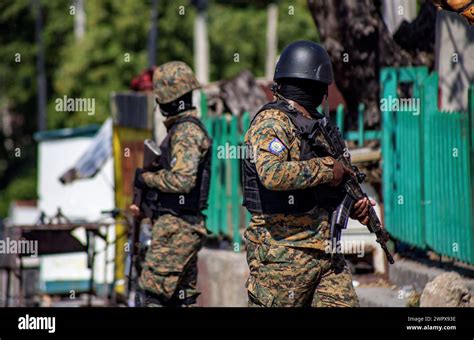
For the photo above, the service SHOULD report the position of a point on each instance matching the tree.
(238, 34)
(359, 44)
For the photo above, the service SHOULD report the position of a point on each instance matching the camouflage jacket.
(188, 145)
(277, 148)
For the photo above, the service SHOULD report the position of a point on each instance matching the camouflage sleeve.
(186, 152)
(270, 139)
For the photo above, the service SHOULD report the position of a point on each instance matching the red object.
(144, 81)
(335, 98)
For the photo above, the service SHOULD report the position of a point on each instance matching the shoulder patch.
(276, 146)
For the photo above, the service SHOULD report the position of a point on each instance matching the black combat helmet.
(304, 60)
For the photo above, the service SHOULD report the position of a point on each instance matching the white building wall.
(454, 60)
(18, 215)
(82, 200)
(395, 11)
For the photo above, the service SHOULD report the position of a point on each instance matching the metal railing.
(428, 168)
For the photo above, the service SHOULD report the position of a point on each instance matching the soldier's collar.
(171, 120)
(294, 106)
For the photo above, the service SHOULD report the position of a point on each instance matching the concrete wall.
(395, 11)
(221, 279)
(454, 59)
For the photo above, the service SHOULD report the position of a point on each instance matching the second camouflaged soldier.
(291, 191)
(169, 273)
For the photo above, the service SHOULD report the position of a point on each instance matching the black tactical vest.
(258, 199)
(195, 201)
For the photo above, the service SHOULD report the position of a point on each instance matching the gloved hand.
(147, 176)
(139, 180)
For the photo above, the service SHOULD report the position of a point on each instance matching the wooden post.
(40, 68)
(152, 35)
(272, 41)
(79, 19)
(201, 44)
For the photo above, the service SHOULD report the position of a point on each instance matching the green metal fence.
(226, 216)
(360, 135)
(427, 167)
(402, 159)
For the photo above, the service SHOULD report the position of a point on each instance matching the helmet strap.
(274, 88)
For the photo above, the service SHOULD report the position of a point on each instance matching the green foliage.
(240, 41)
(175, 31)
(97, 64)
(239, 33)
(22, 187)
(17, 84)
(295, 23)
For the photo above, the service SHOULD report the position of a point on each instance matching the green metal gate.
(427, 167)
(226, 216)
(402, 158)
(448, 174)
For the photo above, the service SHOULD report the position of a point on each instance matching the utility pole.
(79, 19)
(201, 42)
(272, 40)
(153, 34)
(41, 75)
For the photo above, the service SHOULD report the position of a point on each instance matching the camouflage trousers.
(170, 267)
(283, 276)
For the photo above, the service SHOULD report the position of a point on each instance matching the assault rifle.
(351, 185)
(145, 198)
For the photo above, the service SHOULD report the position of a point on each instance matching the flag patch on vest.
(276, 146)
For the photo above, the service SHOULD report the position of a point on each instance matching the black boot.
(144, 298)
(188, 301)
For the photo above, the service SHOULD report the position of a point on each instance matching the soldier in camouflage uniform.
(169, 273)
(291, 193)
